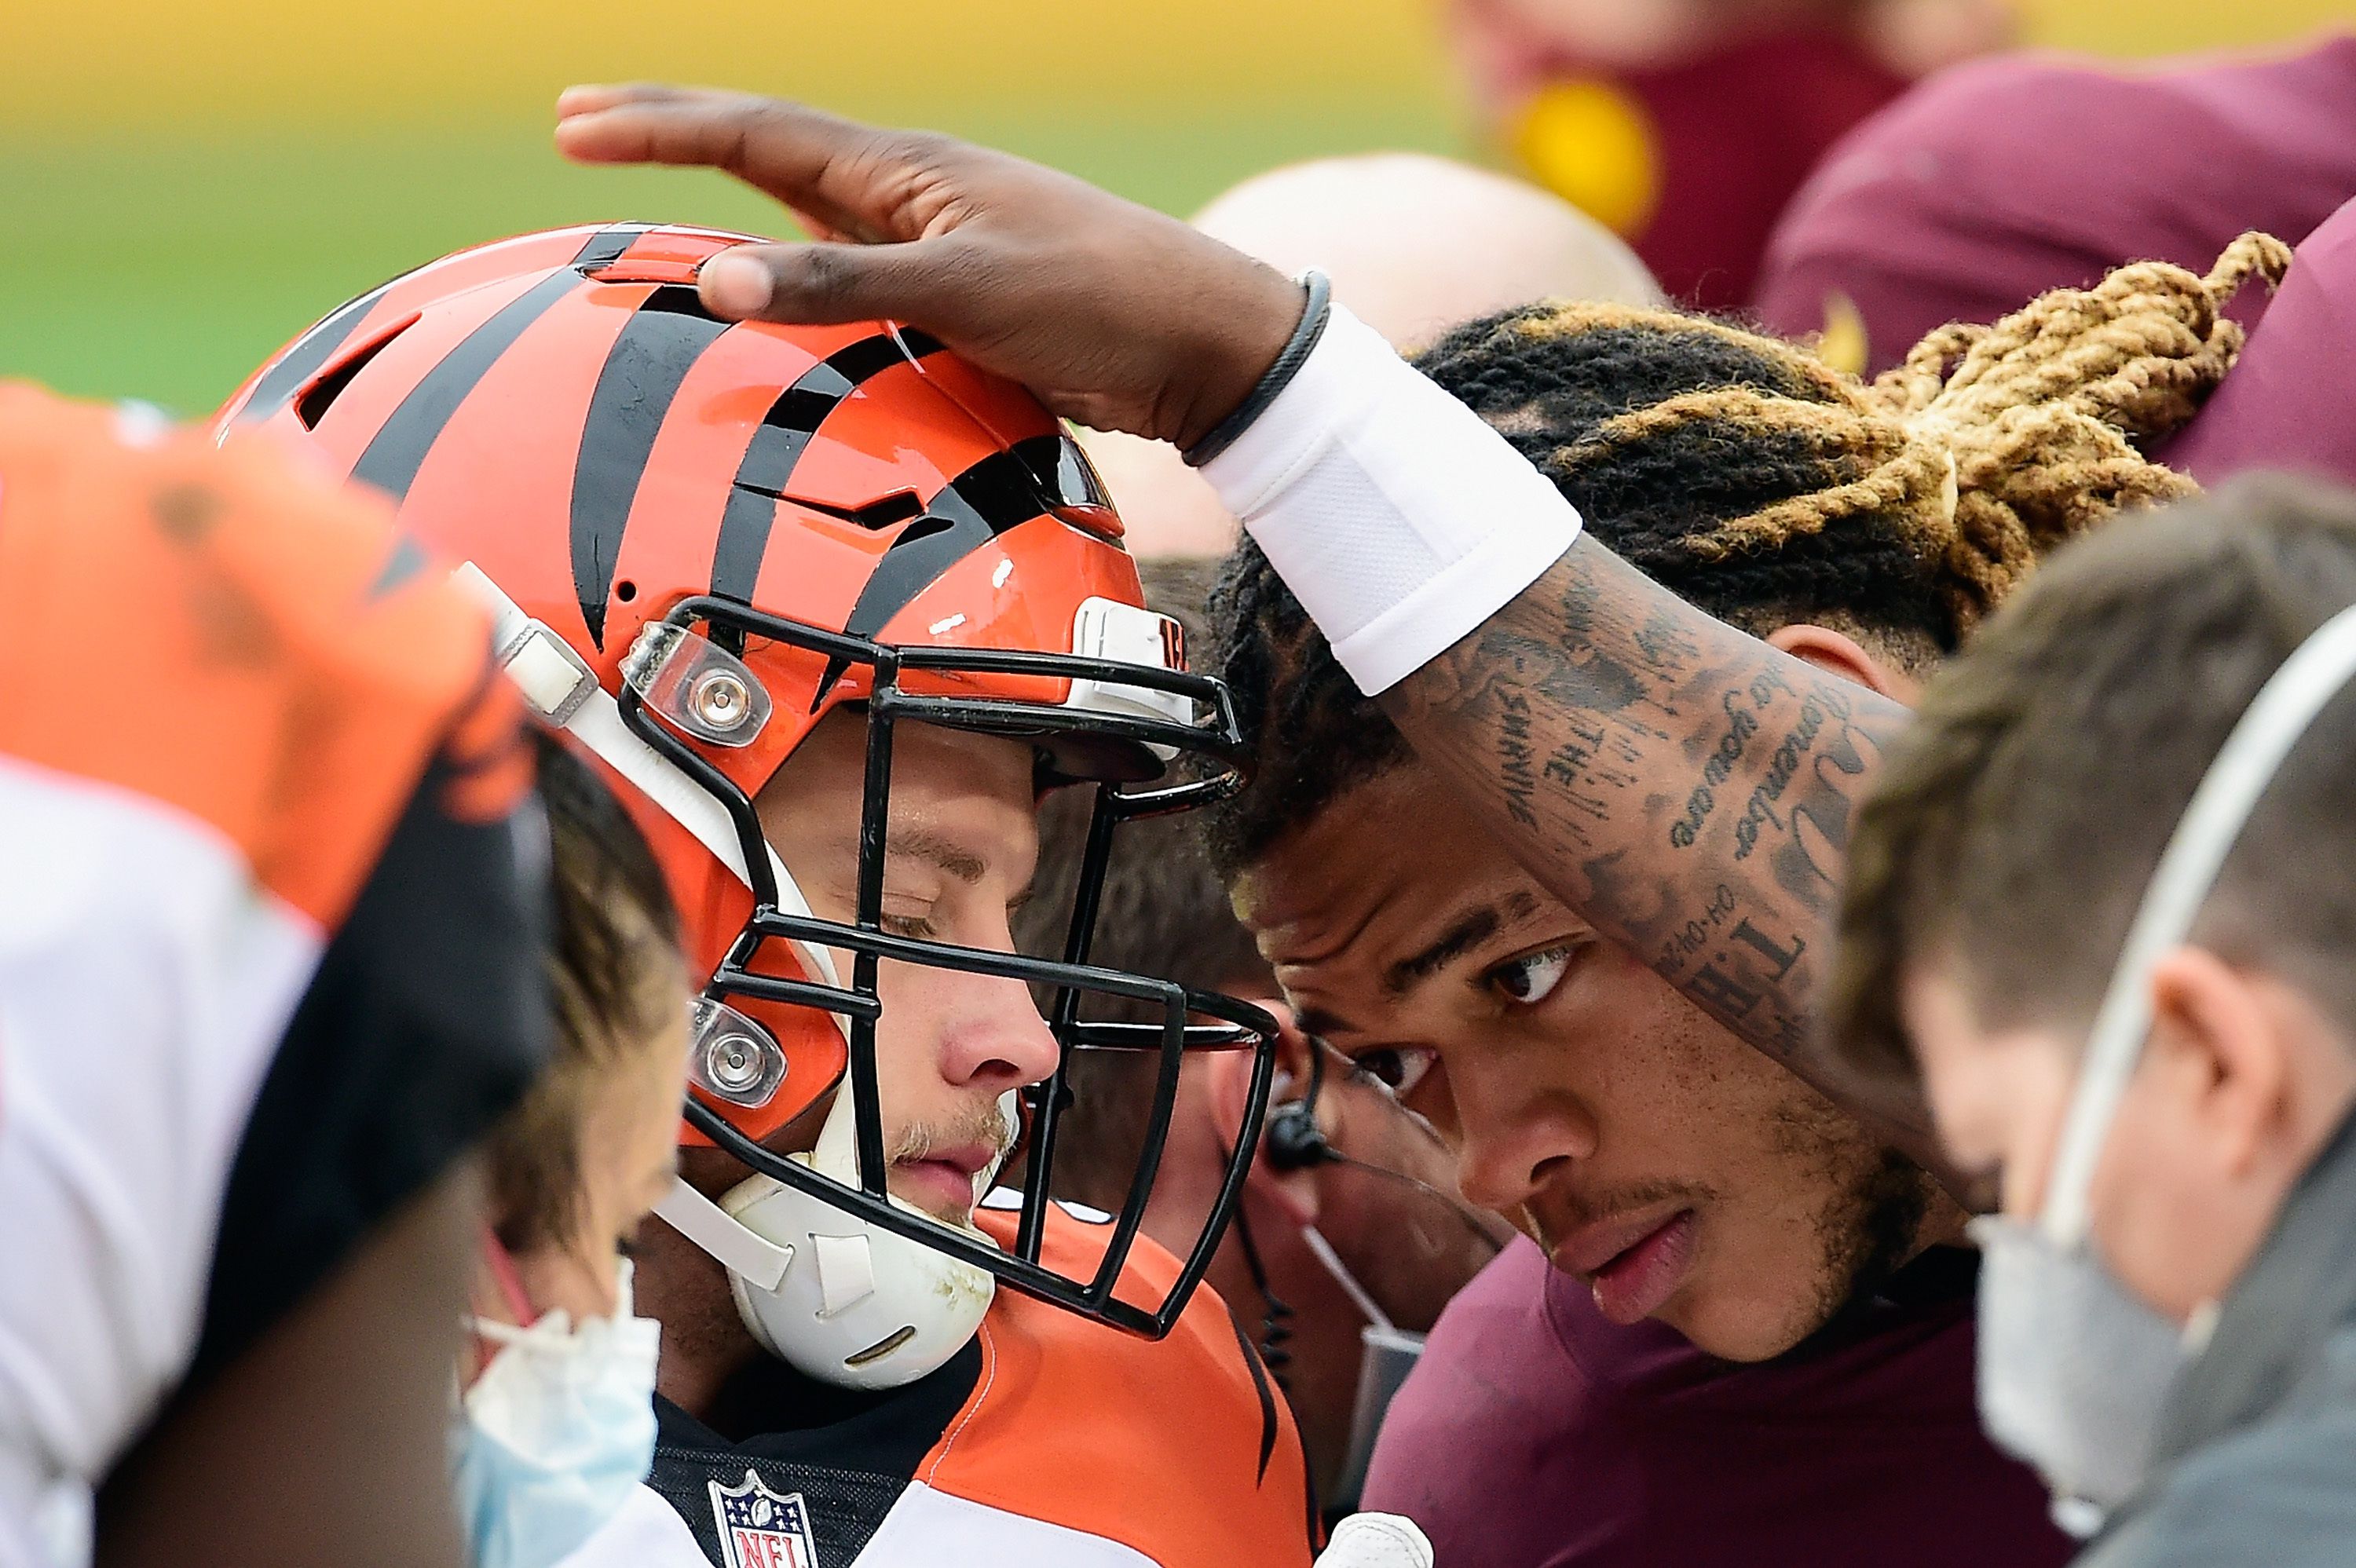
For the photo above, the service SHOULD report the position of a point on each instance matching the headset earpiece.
(1294, 1140)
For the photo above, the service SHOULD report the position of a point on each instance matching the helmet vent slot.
(876, 516)
(321, 395)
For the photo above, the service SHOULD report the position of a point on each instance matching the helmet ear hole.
(625, 591)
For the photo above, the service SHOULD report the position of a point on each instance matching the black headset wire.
(1294, 1141)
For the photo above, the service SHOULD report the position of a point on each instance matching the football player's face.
(1677, 1170)
(962, 843)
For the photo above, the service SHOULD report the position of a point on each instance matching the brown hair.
(2018, 820)
(1163, 913)
(613, 945)
(1753, 481)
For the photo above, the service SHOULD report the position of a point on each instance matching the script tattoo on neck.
(1681, 785)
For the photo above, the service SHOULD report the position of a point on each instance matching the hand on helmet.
(1118, 317)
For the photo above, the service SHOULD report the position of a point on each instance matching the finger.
(926, 283)
(589, 97)
(850, 178)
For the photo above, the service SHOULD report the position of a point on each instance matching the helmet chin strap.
(557, 685)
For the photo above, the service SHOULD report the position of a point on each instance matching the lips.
(942, 1182)
(1631, 1265)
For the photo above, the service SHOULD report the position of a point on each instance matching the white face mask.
(2074, 1368)
(560, 1429)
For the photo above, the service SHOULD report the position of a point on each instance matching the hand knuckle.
(923, 148)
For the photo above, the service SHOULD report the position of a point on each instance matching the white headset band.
(2196, 852)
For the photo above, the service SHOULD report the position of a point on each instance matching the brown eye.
(1529, 979)
(1397, 1070)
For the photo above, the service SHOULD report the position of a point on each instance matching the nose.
(997, 1041)
(1512, 1142)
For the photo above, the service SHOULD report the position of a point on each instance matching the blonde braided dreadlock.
(1995, 443)
(1752, 480)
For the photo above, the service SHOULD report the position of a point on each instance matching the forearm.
(1684, 787)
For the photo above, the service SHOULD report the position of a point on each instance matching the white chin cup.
(859, 1307)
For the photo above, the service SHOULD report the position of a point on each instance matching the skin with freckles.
(2241, 1083)
(962, 844)
(1582, 1096)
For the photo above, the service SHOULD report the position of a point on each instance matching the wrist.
(1397, 517)
(1252, 330)
(1316, 306)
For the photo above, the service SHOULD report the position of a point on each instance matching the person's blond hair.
(1752, 479)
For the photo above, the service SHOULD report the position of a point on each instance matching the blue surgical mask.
(559, 1430)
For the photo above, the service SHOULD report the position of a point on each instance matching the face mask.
(560, 1429)
(2074, 1368)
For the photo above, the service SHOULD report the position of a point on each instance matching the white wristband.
(1399, 520)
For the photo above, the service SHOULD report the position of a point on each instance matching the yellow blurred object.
(67, 69)
(72, 71)
(1842, 343)
(2136, 27)
(1590, 144)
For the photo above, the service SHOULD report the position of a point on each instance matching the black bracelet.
(1314, 313)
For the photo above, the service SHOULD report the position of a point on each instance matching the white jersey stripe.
(925, 1529)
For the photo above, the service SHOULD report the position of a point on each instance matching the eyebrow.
(940, 853)
(1317, 1023)
(1465, 933)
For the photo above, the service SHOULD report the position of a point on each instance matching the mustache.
(977, 1125)
(1567, 1212)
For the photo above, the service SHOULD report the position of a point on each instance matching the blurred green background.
(186, 185)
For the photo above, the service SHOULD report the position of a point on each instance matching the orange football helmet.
(700, 538)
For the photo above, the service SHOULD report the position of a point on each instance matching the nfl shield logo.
(758, 1529)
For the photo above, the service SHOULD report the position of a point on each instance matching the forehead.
(946, 784)
(1385, 886)
(928, 759)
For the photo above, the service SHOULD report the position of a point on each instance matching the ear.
(1227, 1078)
(1837, 654)
(2220, 1057)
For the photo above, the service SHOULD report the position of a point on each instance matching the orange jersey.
(257, 783)
(231, 637)
(1052, 1443)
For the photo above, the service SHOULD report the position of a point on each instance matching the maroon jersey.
(1536, 1435)
(1991, 182)
(2284, 404)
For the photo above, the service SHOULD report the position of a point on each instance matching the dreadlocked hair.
(1755, 482)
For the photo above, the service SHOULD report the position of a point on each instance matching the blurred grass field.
(166, 271)
(185, 186)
